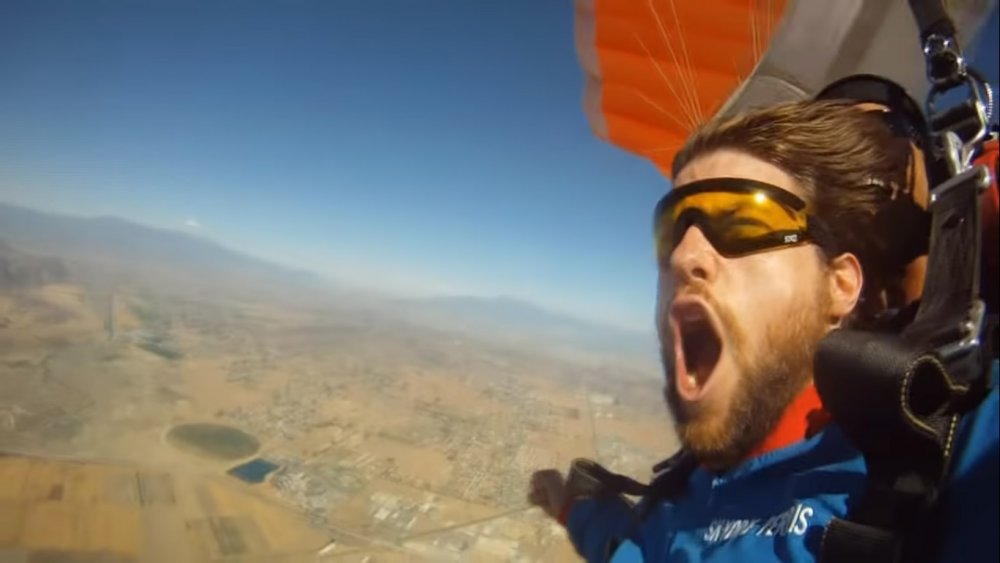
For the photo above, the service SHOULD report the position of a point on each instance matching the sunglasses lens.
(734, 222)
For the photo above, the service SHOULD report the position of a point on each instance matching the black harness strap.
(670, 479)
(899, 398)
(932, 18)
(904, 428)
(945, 66)
(589, 478)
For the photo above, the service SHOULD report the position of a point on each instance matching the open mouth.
(697, 347)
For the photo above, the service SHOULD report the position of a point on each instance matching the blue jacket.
(774, 507)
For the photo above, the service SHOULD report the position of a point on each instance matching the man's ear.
(845, 281)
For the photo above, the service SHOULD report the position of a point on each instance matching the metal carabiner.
(945, 64)
(961, 128)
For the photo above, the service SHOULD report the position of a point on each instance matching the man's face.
(737, 335)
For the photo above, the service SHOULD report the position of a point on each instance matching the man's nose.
(694, 258)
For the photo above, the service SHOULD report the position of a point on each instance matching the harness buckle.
(972, 329)
(945, 63)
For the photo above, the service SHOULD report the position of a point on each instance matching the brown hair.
(849, 164)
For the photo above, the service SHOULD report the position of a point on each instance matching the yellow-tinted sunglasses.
(738, 216)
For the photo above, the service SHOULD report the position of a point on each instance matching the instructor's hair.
(850, 165)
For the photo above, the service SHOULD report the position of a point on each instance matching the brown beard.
(766, 384)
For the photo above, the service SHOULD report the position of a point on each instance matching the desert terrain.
(382, 439)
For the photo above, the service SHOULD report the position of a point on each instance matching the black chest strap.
(590, 479)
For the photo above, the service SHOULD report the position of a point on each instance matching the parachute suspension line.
(736, 71)
(685, 101)
(670, 85)
(768, 16)
(689, 103)
(754, 31)
(665, 148)
(661, 109)
(687, 65)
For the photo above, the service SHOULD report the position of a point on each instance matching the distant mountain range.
(122, 245)
(41, 247)
(19, 269)
(514, 321)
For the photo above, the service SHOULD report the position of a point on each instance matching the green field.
(213, 441)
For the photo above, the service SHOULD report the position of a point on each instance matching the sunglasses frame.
(739, 186)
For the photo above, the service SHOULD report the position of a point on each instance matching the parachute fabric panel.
(655, 69)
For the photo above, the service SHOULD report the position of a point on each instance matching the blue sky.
(416, 146)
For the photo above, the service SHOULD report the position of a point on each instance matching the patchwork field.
(70, 511)
(128, 401)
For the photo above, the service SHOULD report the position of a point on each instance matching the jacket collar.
(803, 418)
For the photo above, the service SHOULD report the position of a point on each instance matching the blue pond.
(253, 471)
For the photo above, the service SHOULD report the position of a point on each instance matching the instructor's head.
(766, 243)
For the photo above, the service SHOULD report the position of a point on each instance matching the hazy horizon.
(388, 291)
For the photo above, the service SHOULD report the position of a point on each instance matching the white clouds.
(192, 223)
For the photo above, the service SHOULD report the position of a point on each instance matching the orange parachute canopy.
(656, 69)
